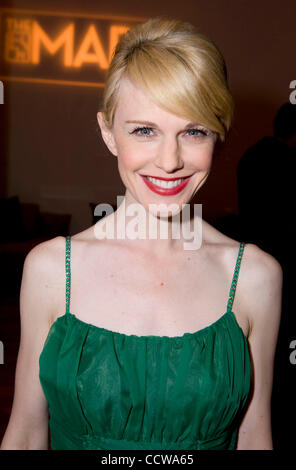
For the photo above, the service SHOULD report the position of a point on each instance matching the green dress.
(111, 391)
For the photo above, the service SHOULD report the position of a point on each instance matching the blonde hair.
(181, 69)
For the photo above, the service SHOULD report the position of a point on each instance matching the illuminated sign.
(58, 48)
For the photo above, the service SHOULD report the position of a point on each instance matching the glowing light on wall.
(58, 48)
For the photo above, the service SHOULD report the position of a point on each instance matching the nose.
(169, 157)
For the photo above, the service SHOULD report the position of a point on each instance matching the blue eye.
(142, 131)
(147, 132)
(196, 131)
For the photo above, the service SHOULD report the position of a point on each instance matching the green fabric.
(111, 391)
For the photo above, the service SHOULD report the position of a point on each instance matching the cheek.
(132, 156)
(200, 158)
(128, 160)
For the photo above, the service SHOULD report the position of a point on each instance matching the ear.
(107, 134)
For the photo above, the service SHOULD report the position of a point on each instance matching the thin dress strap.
(235, 276)
(68, 272)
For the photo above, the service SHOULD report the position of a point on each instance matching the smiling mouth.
(166, 184)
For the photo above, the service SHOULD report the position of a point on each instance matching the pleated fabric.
(111, 391)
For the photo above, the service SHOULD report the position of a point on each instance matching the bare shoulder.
(43, 272)
(45, 251)
(262, 293)
(45, 257)
(258, 295)
(262, 256)
(262, 268)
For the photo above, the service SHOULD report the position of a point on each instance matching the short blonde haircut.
(182, 70)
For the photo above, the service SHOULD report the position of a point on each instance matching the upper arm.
(28, 423)
(265, 280)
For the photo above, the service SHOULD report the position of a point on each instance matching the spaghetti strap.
(83, 368)
(68, 272)
(235, 277)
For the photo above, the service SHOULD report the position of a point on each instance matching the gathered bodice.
(108, 390)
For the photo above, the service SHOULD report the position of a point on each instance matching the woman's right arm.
(28, 424)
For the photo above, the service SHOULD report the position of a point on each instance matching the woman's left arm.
(265, 279)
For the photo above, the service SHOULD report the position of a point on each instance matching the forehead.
(135, 103)
(132, 97)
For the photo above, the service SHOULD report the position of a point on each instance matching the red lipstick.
(166, 191)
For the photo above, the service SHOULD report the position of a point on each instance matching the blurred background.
(54, 167)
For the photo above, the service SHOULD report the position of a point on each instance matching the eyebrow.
(148, 123)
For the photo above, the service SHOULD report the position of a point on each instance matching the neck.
(155, 231)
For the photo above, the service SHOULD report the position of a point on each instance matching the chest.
(138, 295)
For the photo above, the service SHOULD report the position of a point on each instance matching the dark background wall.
(52, 153)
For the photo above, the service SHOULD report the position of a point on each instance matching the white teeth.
(165, 184)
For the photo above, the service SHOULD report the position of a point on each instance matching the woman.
(145, 358)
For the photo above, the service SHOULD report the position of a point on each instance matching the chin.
(161, 212)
